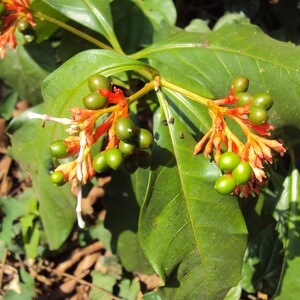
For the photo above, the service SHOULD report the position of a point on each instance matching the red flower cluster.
(15, 10)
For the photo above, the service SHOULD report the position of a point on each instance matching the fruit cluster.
(25, 28)
(243, 162)
(128, 145)
(236, 171)
(259, 103)
(130, 153)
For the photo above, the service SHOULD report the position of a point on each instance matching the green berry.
(263, 100)
(144, 138)
(99, 163)
(126, 148)
(29, 38)
(24, 27)
(257, 115)
(225, 185)
(97, 82)
(2, 9)
(243, 99)
(228, 161)
(240, 85)
(130, 164)
(144, 159)
(125, 129)
(94, 101)
(114, 158)
(57, 178)
(59, 149)
(242, 173)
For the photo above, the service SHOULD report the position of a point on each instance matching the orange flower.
(15, 11)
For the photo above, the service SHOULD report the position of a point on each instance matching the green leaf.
(288, 215)
(190, 234)
(213, 59)
(12, 209)
(7, 105)
(104, 281)
(125, 195)
(66, 86)
(93, 14)
(19, 70)
(129, 289)
(30, 148)
(158, 12)
(43, 28)
(128, 17)
(151, 296)
(234, 293)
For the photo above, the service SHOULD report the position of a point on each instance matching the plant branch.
(72, 29)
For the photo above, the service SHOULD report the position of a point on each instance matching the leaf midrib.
(164, 104)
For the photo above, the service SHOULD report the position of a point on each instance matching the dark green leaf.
(158, 12)
(125, 195)
(183, 219)
(7, 105)
(288, 216)
(19, 70)
(213, 59)
(93, 14)
(30, 147)
(128, 17)
(43, 28)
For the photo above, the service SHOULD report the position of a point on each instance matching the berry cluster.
(237, 172)
(126, 145)
(258, 104)
(242, 163)
(130, 152)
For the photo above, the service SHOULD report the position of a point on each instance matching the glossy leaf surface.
(201, 234)
(288, 216)
(92, 14)
(211, 60)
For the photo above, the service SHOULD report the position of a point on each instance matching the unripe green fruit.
(125, 129)
(29, 38)
(130, 164)
(114, 158)
(24, 27)
(144, 138)
(242, 173)
(144, 159)
(59, 149)
(94, 101)
(225, 185)
(263, 100)
(97, 82)
(257, 115)
(240, 85)
(228, 161)
(243, 99)
(99, 163)
(57, 178)
(2, 9)
(126, 148)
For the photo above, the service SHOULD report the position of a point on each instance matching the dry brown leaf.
(77, 255)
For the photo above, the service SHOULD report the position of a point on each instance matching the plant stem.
(166, 84)
(72, 29)
(143, 91)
